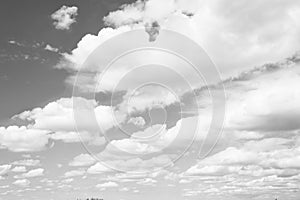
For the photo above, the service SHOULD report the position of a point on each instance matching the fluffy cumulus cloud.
(64, 17)
(260, 138)
(248, 29)
(259, 151)
(266, 157)
(72, 115)
(212, 25)
(22, 139)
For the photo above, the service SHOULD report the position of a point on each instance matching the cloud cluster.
(28, 162)
(64, 17)
(19, 139)
(32, 173)
(249, 30)
(70, 115)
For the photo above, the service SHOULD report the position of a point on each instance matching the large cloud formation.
(247, 32)
(257, 154)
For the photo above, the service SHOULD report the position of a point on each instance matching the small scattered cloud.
(138, 121)
(28, 162)
(82, 160)
(73, 173)
(33, 173)
(50, 48)
(22, 182)
(98, 168)
(107, 185)
(64, 17)
(19, 169)
(4, 169)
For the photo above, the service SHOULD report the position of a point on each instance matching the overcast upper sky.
(71, 128)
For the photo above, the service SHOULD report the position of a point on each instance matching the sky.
(118, 99)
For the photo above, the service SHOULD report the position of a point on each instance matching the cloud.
(22, 139)
(64, 17)
(135, 164)
(82, 136)
(141, 12)
(99, 168)
(147, 98)
(82, 160)
(28, 162)
(73, 173)
(138, 121)
(267, 102)
(32, 173)
(22, 182)
(69, 180)
(107, 185)
(147, 181)
(86, 46)
(4, 169)
(214, 25)
(50, 48)
(19, 169)
(255, 158)
(72, 115)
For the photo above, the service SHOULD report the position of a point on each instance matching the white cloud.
(28, 162)
(267, 102)
(147, 181)
(147, 98)
(265, 157)
(19, 169)
(138, 121)
(98, 168)
(73, 173)
(69, 180)
(251, 32)
(4, 169)
(33, 173)
(72, 115)
(82, 160)
(50, 48)
(22, 139)
(107, 185)
(22, 182)
(133, 164)
(86, 46)
(64, 17)
(82, 136)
